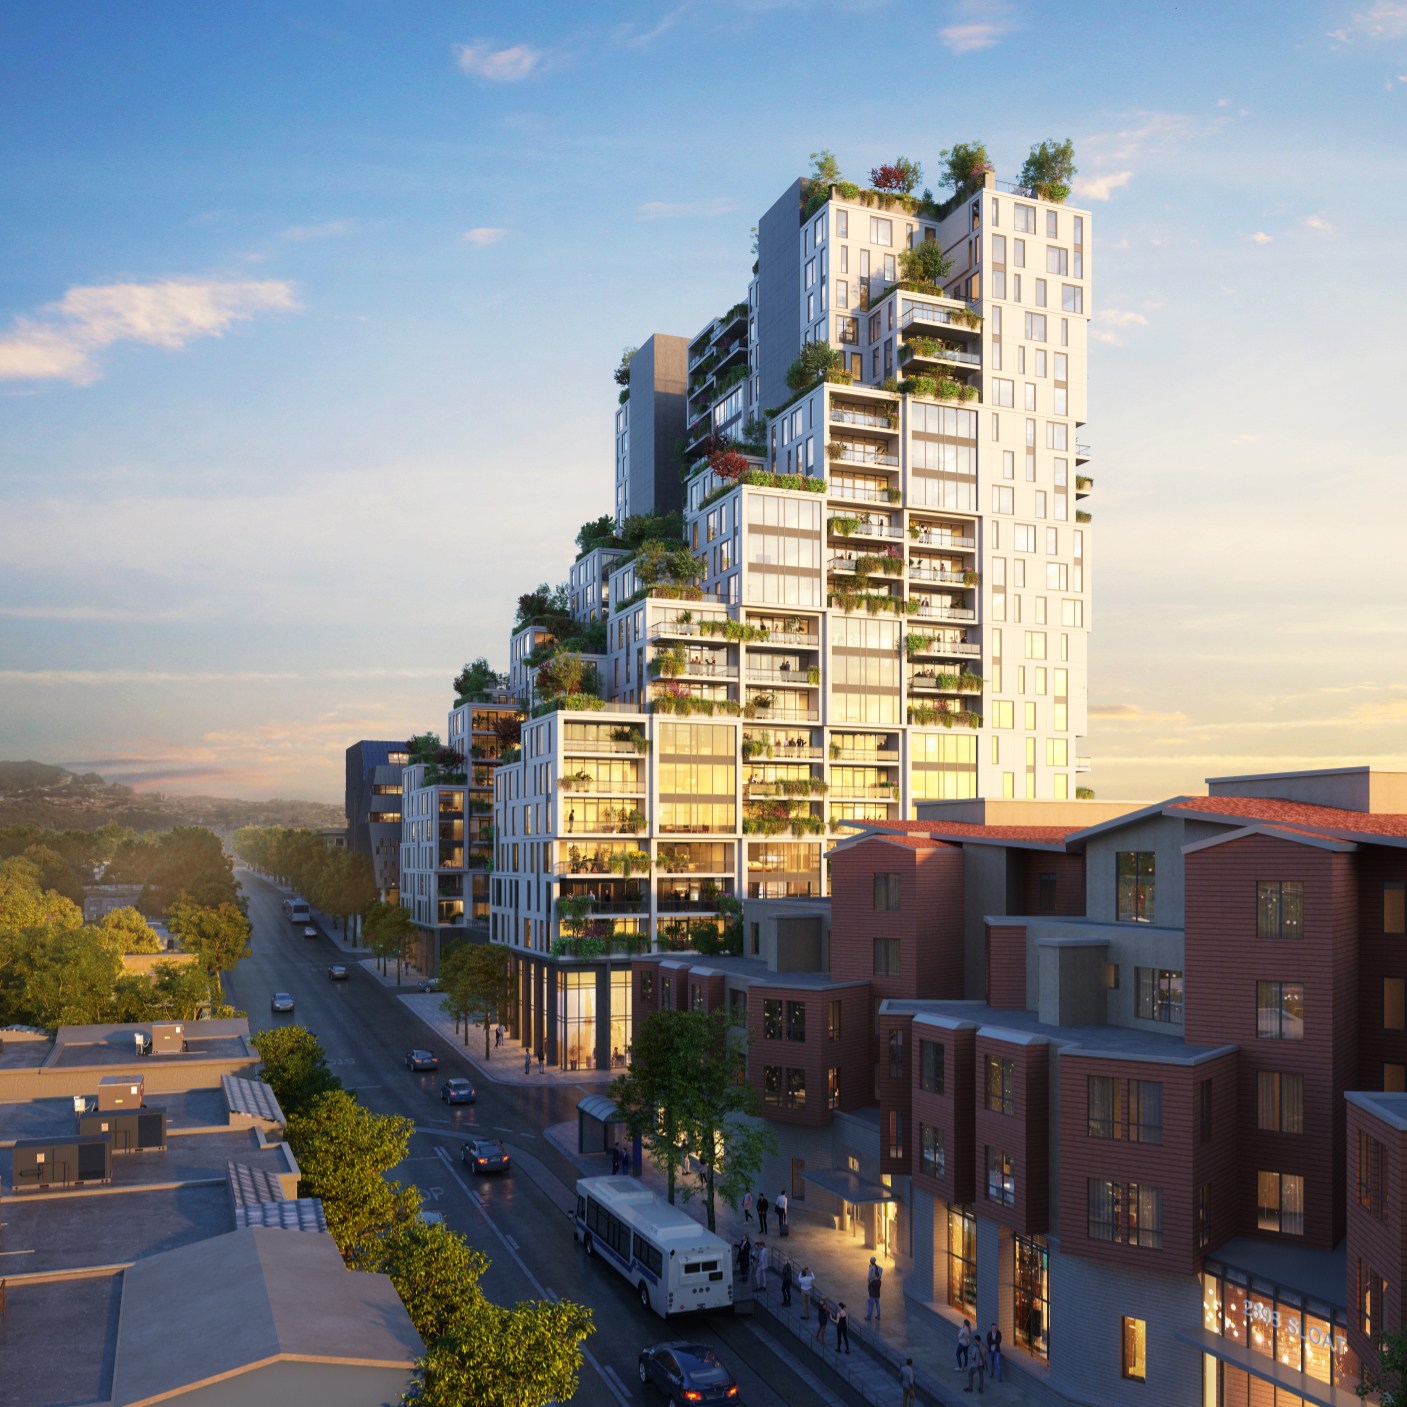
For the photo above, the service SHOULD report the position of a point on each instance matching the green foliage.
(824, 167)
(599, 532)
(294, 1067)
(937, 388)
(733, 630)
(1049, 170)
(815, 360)
(964, 165)
(389, 932)
(128, 932)
(476, 979)
(901, 175)
(671, 563)
(566, 674)
(545, 606)
(219, 937)
(925, 263)
(477, 681)
(187, 860)
(621, 374)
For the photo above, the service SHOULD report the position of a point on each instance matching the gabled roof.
(928, 834)
(1328, 819)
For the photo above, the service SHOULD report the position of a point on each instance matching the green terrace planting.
(633, 736)
(941, 388)
(763, 479)
(872, 602)
(928, 714)
(733, 630)
(964, 683)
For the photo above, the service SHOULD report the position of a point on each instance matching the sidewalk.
(908, 1328)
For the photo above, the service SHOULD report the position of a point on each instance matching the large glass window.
(931, 1156)
(1001, 1177)
(620, 1017)
(930, 1074)
(962, 1260)
(886, 957)
(1031, 1306)
(1279, 908)
(1280, 1202)
(1158, 994)
(1279, 1102)
(1280, 1011)
(576, 1020)
(1136, 871)
(1001, 1082)
(796, 1021)
(1105, 1107)
(771, 1019)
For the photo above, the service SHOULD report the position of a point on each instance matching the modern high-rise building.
(373, 801)
(882, 599)
(649, 426)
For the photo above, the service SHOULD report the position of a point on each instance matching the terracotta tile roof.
(1295, 814)
(961, 830)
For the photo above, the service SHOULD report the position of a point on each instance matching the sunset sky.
(308, 313)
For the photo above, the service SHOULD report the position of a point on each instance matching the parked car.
(421, 1060)
(457, 1090)
(337, 972)
(282, 1001)
(687, 1372)
(310, 932)
(430, 984)
(484, 1155)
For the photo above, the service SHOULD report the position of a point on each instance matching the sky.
(308, 314)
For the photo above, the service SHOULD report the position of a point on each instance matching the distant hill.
(37, 793)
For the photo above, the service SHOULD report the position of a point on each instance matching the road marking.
(614, 1380)
(532, 1279)
(29, 1252)
(513, 1245)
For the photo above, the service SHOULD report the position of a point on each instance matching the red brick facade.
(1053, 883)
(1023, 1134)
(1377, 1224)
(949, 1108)
(1005, 984)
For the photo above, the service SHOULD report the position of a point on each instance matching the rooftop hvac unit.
(50, 1162)
(130, 1130)
(121, 1092)
(80, 1104)
(168, 1037)
(143, 1042)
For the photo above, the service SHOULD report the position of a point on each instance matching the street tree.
(649, 1093)
(294, 1067)
(218, 936)
(128, 932)
(389, 931)
(477, 979)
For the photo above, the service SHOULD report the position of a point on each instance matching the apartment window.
(930, 1066)
(666, 990)
(1279, 1102)
(886, 957)
(1105, 1211)
(1031, 1295)
(1023, 218)
(1001, 1178)
(886, 893)
(1040, 292)
(1279, 908)
(772, 1084)
(796, 1089)
(890, 274)
(833, 1087)
(796, 1021)
(771, 1019)
(846, 329)
(1003, 391)
(647, 987)
(1158, 995)
(1145, 1111)
(1394, 1004)
(1137, 874)
(833, 1021)
(1204, 1216)
(1072, 298)
(1057, 261)
(842, 224)
(1035, 328)
(931, 1157)
(895, 1126)
(1372, 1175)
(1135, 1357)
(1372, 1300)
(881, 231)
(1395, 906)
(1001, 1078)
(962, 1260)
(1280, 1203)
(1394, 1077)
(1280, 1011)
(1105, 1107)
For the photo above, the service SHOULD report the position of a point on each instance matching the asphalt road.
(521, 1221)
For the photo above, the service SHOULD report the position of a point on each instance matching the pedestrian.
(994, 1352)
(615, 1160)
(760, 1266)
(781, 1206)
(964, 1343)
(744, 1256)
(541, 1060)
(842, 1327)
(527, 1062)
(762, 1212)
(806, 1282)
(906, 1381)
(872, 1289)
(747, 1206)
(823, 1317)
(786, 1282)
(976, 1364)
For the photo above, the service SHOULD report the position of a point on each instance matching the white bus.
(297, 910)
(676, 1265)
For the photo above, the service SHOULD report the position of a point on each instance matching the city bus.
(297, 910)
(675, 1265)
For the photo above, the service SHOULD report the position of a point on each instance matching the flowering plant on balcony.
(728, 464)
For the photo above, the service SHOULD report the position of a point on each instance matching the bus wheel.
(590, 1249)
(644, 1294)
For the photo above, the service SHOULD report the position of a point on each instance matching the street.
(520, 1221)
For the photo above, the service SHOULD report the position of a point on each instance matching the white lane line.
(513, 1245)
(615, 1380)
(532, 1279)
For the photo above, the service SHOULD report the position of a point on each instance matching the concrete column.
(549, 1013)
(921, 1282)
(993, 1275)
(603, 1018)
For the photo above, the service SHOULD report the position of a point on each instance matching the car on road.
(432, 1218)
(430, 984)
(457, 1090)
(484, 1155)
(421, 1060)
(687, 1372)
(309, 931)
(337, 972)
(281, 1001)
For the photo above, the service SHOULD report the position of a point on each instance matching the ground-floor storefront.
(575, 1015)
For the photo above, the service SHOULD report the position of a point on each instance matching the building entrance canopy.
(848, 1186)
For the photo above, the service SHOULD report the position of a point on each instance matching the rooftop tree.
(964, 165)
(901, 175)
(925, 263)
(1049, 169)
(477, 681)
(816, 359)
(622, 372)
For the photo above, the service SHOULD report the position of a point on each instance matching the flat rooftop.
(50, 1118)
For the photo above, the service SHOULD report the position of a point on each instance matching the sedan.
(484, 1155)
(337, 972)
(421, 1060)
(282, 1001)
(457, 1091)
(310, 931)
(687, 1372)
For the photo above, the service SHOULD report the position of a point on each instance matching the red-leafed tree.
(728, 464)
(903, 175)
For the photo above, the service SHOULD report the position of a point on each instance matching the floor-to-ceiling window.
(576, 1020)
(962, 1260)
(620, 1016)
(1031, 1308)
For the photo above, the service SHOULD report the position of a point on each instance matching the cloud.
(1318, 222)
(978, 24)
(632, 37)
(481, 236)
(1101, 187)
(46, 678)
(665, 210)
(1385, 20)
(60, 342)
(1245, 439)
(326, 229)
(1260, 237)
(1107, 322)
(510, 65)
(1133, 713)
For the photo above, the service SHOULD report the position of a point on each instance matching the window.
(1137, 873)
(1280, 1203)
(886, 892)
(881, 231)
(1158, 995)
(1023, 218)
(1031, 1295)
(931, 1157)
(1072, 298)
(895, 1138)
(896, 1054)
(737, 1006)
(1279, 908)
(1045, 894)
(1372, 1175)
(886, 957)
(772, 1084)
(1280, 1011)
(1395, 906)
(796, 1021)
(930, 1066)
(1003, 391)
(833, 1087)
(1001, 1076)
(647, 987)
(842, 224)
(1035, 328)
(1135, 1346)
(771, 1019)
(1279, 1102)
(962, 1260)
(1105, 1107)
(1204, 1216)
(1040, 292)
(833, 1021)
(1394, 1077)
(1394, 1004)
(1372, 1300)
(1001, 1179)
(846, 329)
(1145, 1111)
(796, 1089)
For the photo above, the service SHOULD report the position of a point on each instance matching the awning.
(598, 1107)
(1312, 1392)
(848, 1186)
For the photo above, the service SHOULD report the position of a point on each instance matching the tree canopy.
(964, 164)
(478, 681)
(925, 263)
(477, 979)
(1049, 169)
(294, 1067)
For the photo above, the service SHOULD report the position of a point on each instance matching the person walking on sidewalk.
(615, 1160)
(994, 1352)
(781, 1206)
(823, 1317)
(747, 1206)
(976, 1364)
(964, 1344)
(762, 1212)
(806, 1282)
(541, 1060)
(872, 1289)
(498, 1036)
(842, 1327)
(786, 1282)
(527, 1062)
(760, 1267)
(906, 1381)
(744, 1256)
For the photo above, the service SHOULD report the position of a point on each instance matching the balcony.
(928, 612)
(850, 454)
(860, 418)
(788, 637)
(945, 649)
(763, 791)
(787, 715)
(577, 747)
(935, 537)
(921, 356)
(797, 678)
(922, 572)
(862, 493)
(860, 754)
(886, 792)
(885, 532)
(1082, 453)
(933, 317)
(1082, 764)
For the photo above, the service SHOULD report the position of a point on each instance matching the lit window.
(1279, 908)
(1135, 1346)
